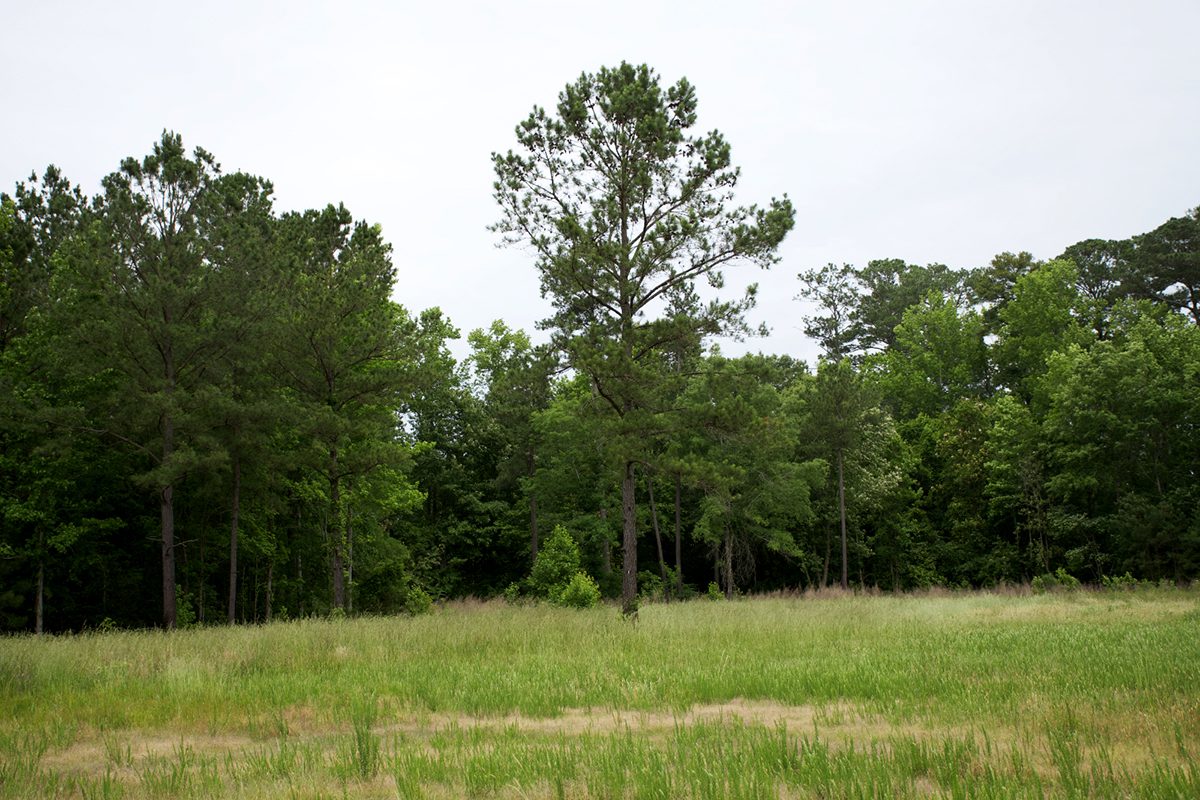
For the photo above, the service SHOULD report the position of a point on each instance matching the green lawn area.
(958, 695)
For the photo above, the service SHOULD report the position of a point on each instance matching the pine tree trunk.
(662, 564)
(605, 546)
(678, 540)
(842, 512)
(300, 581)
(167, 502)
(628, 545)
(233, 538)
(728, 564)
(167, 512)
(270, 585)
(38, 605)
(335, 535)
(533, 511)
(201, 586)
(828, 557)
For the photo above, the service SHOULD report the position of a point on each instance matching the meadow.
(1081, 694)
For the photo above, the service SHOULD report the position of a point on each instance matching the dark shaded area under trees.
(211, 411)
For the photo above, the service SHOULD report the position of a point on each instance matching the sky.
(931, 131)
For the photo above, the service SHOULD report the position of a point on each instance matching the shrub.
(556, 563)
(185, 611)
(417, 601)
(714, 591)
(1059, 580)
(1124, 582)
(650, 585)
(581, 592)
(513, 593)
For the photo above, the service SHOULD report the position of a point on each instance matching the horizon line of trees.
(212, 411)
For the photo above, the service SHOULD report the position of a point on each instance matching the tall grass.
(959, 695)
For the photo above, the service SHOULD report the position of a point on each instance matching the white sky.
(928, 131)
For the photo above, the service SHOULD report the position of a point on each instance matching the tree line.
(211, 410)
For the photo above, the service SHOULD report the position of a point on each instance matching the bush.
(513, 593)
(1124, 582)
(556, 564)
(650, 585)
(714, 591)
(185, 611)
(580, 592)
(417, 601)
(1059, 580)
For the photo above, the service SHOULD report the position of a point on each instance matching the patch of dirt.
(843, 717)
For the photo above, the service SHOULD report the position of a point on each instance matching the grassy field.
(971, 695)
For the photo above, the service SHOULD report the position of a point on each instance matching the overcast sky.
(929, 131)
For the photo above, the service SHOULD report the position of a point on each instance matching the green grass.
(971, 695)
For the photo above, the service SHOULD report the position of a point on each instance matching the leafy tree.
(1166, 263)
(575, 475)
(992, 286)
(938, 357)
(1016, 479)
(626, 212)
(1040, 319)
(1123, 455)
(741, 453)
(891, 287)
(556, 564)
(515, 381)
(848, 429)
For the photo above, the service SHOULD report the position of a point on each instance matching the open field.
(972, 695)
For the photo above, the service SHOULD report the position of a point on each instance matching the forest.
(213, 410)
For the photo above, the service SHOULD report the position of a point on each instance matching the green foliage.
(938, 358)
(1059, 580)
(185, 611)
(580, 592)
(714, 592)
(623, 242)
(1124, 582)
(417, 601)
(650, 585)
(556, 564)
(190, 379)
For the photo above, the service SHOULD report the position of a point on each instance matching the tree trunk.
(533, 513)
(270, 584)
(200, 587)
(828, 556)
(678, 540)
(662, 564)
(728, 564)
(38, 604)
(349, 564)
(167, 500)
(335, 535)
(167, 511)
(842, 512)
(605, 546)
(300, 581)
(235, 504)
(628, 545)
